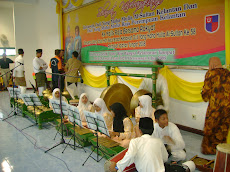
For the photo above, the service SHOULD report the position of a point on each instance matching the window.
(10, 51)
(1, 52)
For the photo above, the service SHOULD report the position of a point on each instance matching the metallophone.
(108, 147)
(43, 113)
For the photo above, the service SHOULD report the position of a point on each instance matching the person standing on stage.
(62, 52)
(19, 72)
(72, 68)
(39, 69)
(162, 92)
(56, 66)
(216, 91)
(4, 64)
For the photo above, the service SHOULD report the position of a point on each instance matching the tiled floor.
(18, 153)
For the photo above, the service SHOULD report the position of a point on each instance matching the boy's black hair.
(146, 125)
(147, 131)
(38, 50)
(75, 54)
(20, 51)
(158, 113)
(57, 52)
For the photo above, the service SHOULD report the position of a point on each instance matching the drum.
(222, 162)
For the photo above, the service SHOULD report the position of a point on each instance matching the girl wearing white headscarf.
(84, 104)
(145, 108)
(101, 109)
(56, 96)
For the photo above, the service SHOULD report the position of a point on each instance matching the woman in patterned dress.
(216, 90)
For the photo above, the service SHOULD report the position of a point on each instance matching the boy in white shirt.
(148, 153)
(170, 135)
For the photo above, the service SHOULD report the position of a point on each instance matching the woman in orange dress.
(216, 90)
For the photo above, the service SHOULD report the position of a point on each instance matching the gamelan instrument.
(43, 113)
(222, 162)
(117, 93)
(108, 146)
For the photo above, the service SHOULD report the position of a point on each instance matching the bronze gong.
(117, 93)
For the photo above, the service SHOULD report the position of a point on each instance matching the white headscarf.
(101, 103)
(147, 109)
(55, 98)
(81, 106)
(53, 94)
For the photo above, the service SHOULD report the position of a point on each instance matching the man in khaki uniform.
(72, 67)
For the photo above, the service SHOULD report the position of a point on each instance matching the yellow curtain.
(77, 3)
(132, 81)
(96, 81)
(93, 81)
(180, 89)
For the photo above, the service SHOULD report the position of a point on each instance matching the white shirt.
(161, 87)
(19, 71)
(148, 154)
(37, 63)
(171, 130)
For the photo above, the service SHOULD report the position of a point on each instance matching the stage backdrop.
(132, 31)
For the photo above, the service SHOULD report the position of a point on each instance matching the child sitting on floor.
(170, 135)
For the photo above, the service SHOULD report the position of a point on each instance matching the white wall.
(36, 26)
(181, 112)
(6, 25)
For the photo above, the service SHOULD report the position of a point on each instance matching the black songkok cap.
(146, 123)
(39, 51)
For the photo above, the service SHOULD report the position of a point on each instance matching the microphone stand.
(61, 115)
(14, 110)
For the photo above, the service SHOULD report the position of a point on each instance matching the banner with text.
(191, 30)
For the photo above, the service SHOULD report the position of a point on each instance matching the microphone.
(21, 63)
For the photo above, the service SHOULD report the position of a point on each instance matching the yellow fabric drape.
(96, 81)
(180, 89)
(132, 81)
(93, 81)
(66, 5)
(59, 6)
(78, 3)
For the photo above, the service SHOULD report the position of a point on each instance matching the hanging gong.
(134, 101)
(117, 93)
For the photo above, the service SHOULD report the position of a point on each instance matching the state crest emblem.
(212, 23)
